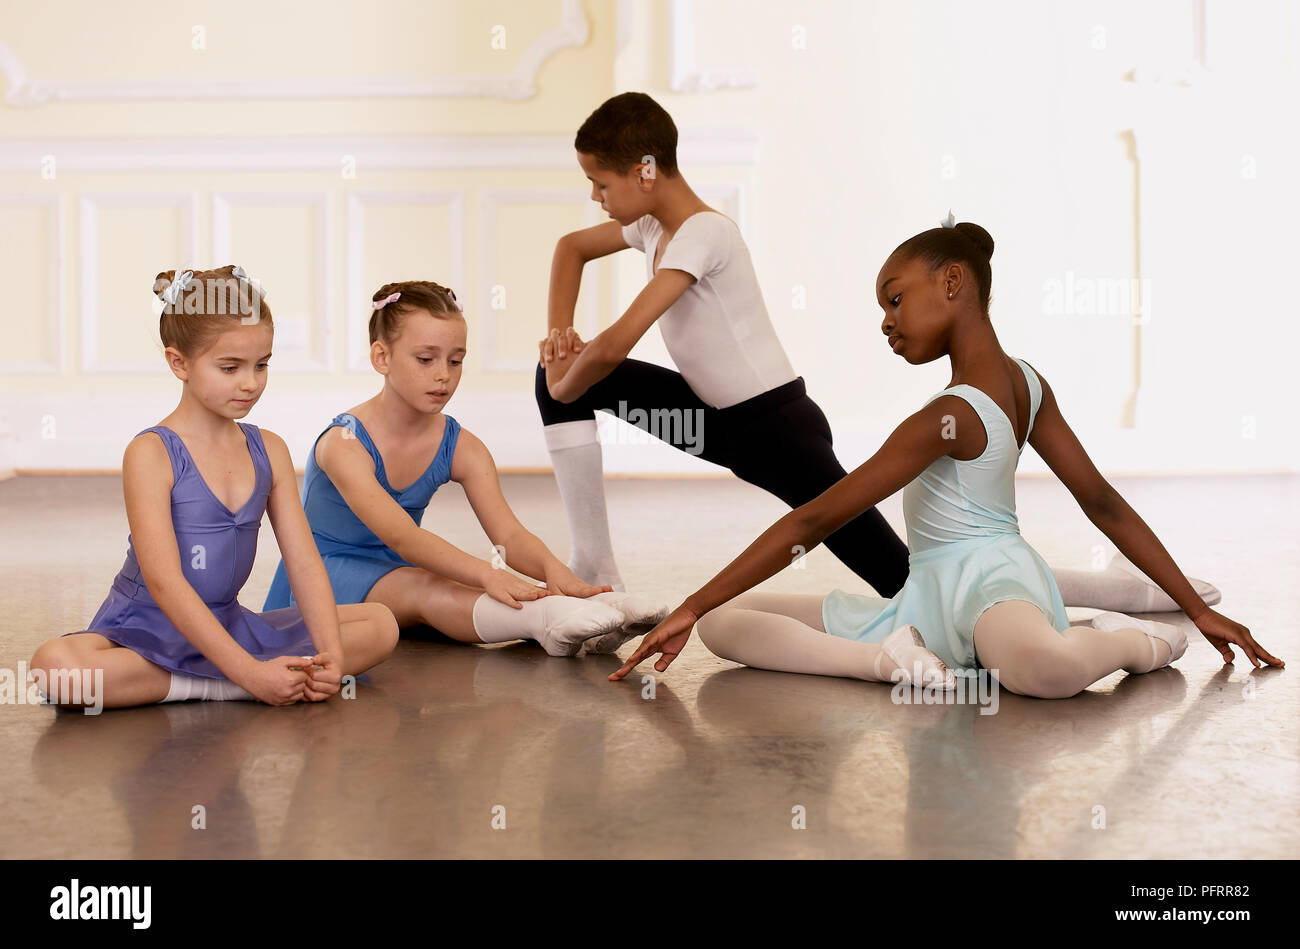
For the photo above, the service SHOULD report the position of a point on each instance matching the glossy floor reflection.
(444, 741)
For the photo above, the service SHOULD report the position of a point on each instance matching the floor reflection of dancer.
(976, 594)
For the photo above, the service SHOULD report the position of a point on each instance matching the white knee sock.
(576, 457)
(185, 687)
(559, 623)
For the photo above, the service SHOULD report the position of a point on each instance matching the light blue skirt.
(948, 587)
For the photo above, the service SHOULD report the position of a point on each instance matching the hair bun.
(977, 236)
(163, 281)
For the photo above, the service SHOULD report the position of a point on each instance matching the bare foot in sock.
(641, 613)
(572, 620)
(1167, 642)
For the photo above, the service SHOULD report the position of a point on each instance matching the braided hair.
(386, 320)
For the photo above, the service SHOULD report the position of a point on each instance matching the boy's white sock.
(559, 623)
(185, 687)
(576, 457)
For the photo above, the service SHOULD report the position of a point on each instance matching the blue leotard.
(354, 557)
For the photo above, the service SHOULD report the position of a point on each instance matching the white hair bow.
(949, 221)
(174, 289)
(238, 271)
(380, 304)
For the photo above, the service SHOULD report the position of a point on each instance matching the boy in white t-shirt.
(736, 401)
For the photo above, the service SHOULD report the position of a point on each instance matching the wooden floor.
(443, 741)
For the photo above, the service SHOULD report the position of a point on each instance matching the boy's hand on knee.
(558, 344)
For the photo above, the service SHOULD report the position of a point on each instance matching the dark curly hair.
(625, 129)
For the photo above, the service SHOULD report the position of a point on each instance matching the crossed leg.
(367, 635)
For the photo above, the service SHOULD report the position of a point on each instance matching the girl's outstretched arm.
(308, 578)
(1053, 439)
(909, 450)
(352, 471)
(473, 468)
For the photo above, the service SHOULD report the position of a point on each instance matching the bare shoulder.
(1042, 380)
(470, 457)
(277, 452)
(146, 455)
(959, 425)
(339, 444)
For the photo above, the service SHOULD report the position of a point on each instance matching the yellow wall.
(1099, 143)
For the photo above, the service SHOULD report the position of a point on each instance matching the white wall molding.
(56, 206)
(24, 91)
(490, 200)
(188, 202)
(357, 319)
(329, 153)
(683, 74)
(316, 357)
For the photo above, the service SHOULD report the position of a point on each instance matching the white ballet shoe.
(916, 664)
(564, 635)
(638, 609)
(1208, 592)
(1171, 636)
(641, 613)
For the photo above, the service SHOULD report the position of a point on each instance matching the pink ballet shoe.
(1171, 636)
(916, 664)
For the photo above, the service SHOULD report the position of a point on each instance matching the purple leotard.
(217, 547)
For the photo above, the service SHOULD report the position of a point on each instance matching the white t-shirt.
(718, 331)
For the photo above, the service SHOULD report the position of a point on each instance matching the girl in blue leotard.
(370, 476)
(976, 594)
(196, 487)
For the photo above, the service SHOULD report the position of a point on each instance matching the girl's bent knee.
(54, 654)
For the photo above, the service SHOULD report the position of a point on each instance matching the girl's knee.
(1043, 673)
(387, 631)
(54, 654)
(716, 629)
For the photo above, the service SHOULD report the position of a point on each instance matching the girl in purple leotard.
(196, 487)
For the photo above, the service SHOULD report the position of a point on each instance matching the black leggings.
(779, 441)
